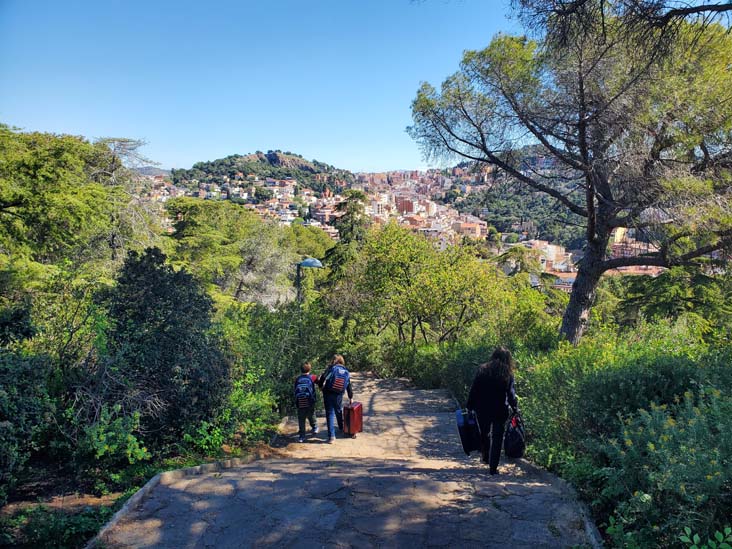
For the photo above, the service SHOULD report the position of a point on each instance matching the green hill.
(275, 164)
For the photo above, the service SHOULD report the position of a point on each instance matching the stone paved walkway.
(403, 482)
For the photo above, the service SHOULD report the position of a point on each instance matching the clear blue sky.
(328, 79)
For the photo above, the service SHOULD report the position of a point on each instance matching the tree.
(520, 259)
(400, 282)
(263, 193)
(644, 149)
(232, 249)
(166, 360)
(651, 13)
(53, 205)
(651, 25)
(351, 225)
(65, 198)
(353, 222)
(308, 240)
(681, 291)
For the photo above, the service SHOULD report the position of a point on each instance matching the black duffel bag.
(468, 431)
(514, 443)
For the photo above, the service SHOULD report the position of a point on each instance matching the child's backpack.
(514, 442)
(304, 391)
(337, 379)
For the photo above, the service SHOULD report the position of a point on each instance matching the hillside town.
(411, 198)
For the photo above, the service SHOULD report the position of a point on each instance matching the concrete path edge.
(170, 476)
(590, 527)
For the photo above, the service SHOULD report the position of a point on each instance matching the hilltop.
(273, 164)
(152, 171)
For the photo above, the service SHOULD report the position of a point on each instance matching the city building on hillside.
(405, 205)
(324, 214)
(464, 228)
(554, 258)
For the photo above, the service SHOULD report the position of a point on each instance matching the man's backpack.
(337, 379)
(514, 443)
(304, 391)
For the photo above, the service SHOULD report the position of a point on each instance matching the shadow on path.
(403, 482)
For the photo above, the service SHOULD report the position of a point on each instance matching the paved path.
(403, 482)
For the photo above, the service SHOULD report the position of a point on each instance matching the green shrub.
(57, 529)
(111, 441)
(637, 422)
(575, 393)
(108, 447)
(163, 347)
(206, 438)
(722, 540)
(253, 413)
(24, 406)
(627, 387)
(669, 467)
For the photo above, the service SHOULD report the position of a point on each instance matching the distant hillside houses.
(409, 197)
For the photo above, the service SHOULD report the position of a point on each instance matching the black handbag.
(514, 443)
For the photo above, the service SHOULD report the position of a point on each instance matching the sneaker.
(494, 472)
(301, 439)
(331, 440)
(315, 430)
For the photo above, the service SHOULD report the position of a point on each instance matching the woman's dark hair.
(501, 364)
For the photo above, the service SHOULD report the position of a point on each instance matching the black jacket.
(491, 396)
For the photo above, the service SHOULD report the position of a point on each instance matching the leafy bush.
(24, 404)
(638, 423)
(111, 438)
(43, 527)
(162, 343)
(108, 446)
(669, 467)
(722, 540)
(252, 413)
(206, 438)
(622, 390)
(248, 417)
(574, 393)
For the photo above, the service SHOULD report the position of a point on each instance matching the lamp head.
(311, 262)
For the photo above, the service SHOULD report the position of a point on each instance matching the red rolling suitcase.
(353, 418)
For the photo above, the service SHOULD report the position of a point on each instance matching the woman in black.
(492, 392)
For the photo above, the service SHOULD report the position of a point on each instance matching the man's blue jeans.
(333, 411)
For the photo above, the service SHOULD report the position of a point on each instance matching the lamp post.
(307, 263)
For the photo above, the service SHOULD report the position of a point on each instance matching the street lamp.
(307, 263)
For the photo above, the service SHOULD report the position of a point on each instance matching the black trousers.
(491, 440)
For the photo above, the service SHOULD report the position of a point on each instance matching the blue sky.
(328, 79)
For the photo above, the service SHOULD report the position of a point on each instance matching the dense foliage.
(508, 209)
(164, 359)
(641, 426)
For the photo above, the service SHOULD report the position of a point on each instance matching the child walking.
(305, 400)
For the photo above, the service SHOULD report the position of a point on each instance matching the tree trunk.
(575, 316)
